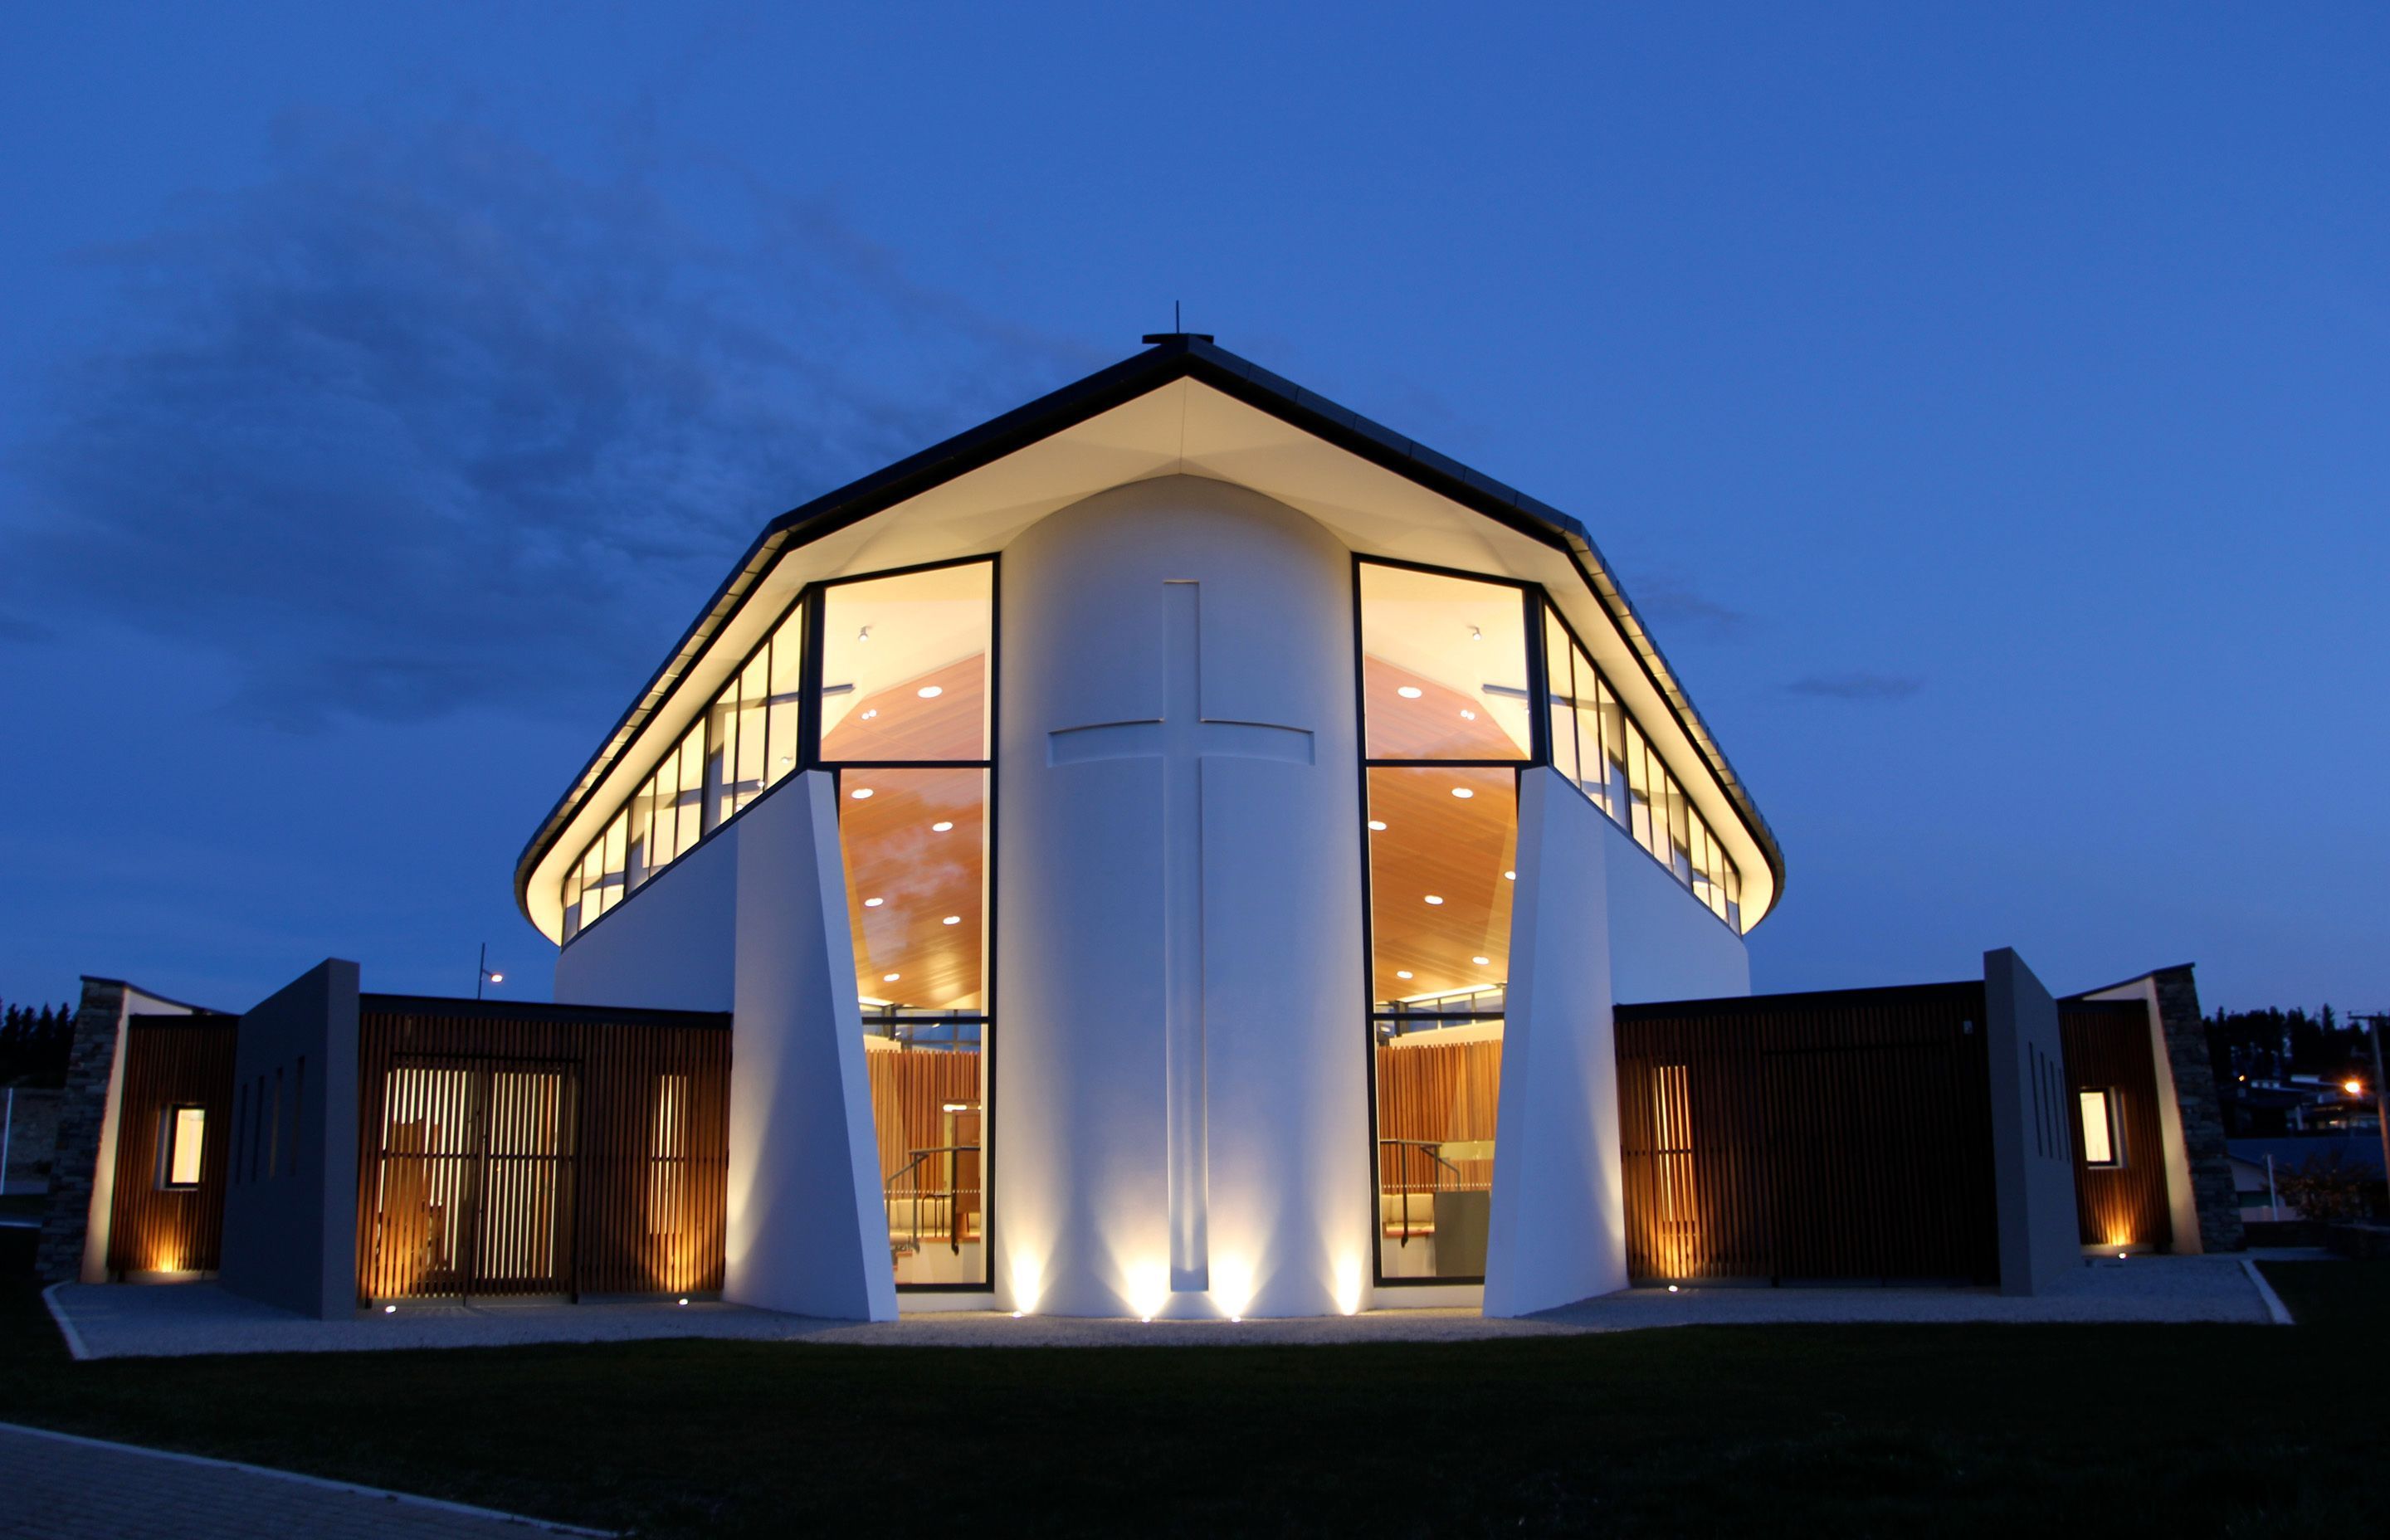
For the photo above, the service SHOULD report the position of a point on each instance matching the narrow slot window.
(186, 1129)
(2102, 1145)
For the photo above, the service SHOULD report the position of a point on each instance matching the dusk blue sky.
(1990, 412)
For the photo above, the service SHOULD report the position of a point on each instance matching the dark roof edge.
(534, 1011)
(1179, 358)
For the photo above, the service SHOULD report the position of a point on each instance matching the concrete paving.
(110, 1321)
(53, 1486)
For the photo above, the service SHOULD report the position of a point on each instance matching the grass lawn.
(2238, 1430)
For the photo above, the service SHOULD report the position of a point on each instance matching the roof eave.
(1173, 358)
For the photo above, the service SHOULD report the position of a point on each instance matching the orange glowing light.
(2354, 1087)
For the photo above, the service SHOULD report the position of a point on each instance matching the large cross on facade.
(1182, 738)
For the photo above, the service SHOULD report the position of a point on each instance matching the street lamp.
(481, 974)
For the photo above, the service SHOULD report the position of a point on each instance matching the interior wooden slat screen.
(530, 1150)
(910, 1092)
(1438, 1092)
(2107, 1045)
(171, 1061)
(1842, 1136)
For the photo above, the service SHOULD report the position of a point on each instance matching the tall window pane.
(915, 844)
(1442, 853)
(928, 1096)
(905, 666)
(721, 757)
(1561, 685)
(787, 685)
(1440, 880)
(1444, 667)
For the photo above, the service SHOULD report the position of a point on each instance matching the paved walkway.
(56, 1487)
(111, 1321)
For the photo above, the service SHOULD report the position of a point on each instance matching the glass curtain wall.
(905, 704)
(743, 745)
(1604, 751)
(1448, 718)
(895, 672)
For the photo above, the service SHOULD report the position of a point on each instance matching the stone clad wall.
(2203, 1117)
(82, 1114)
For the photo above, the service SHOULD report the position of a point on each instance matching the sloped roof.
(1170, 358)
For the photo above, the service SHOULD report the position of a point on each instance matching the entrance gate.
(471, 1190)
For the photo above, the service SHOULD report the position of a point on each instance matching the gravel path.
(133, 1321)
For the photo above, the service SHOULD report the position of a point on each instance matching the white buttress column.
(1180, 1102)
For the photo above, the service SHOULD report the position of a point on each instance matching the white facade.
(1184, 1007)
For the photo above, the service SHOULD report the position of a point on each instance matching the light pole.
(2373, 1025)
(481, 974)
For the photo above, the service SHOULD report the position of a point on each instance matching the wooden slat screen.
(2107, 1045)
(1436, 1092)
(519, 1149)
(1840, 1136)
(910, 1091)
(171, 1061)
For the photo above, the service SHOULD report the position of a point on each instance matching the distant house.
(2256, 1163)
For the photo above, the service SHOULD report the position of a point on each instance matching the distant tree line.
(2275, 1045)
(34, 1043)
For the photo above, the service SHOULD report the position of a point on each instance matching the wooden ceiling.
(1439, 721)
(1457, 849)
(896, 723)
(895, 853)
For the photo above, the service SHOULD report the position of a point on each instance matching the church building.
(1177, 850)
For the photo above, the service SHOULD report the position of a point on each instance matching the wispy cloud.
(1672, 604)
(1859, 686)
(419, 424)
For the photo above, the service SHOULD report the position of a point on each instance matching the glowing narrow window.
(186, 1130)
(2101, 1145)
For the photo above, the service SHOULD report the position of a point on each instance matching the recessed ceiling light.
(1378, 824)
(929, 692)
(784, 761)
(1468, 715)
(1402, 972)
(1510, 877)
(1408, 692)
(1481, 961)
(873, 903)
(860, 792)
(940, 827)
(1463, 792)
(952, 919)
(890, 978)
(1435, 898)
(872, 712)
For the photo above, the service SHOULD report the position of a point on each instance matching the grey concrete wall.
(670, 945)
(291, 1225)
(2033, 1151)
(1664, 943)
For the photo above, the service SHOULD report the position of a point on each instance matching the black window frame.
(170, 1122)
(810, 602)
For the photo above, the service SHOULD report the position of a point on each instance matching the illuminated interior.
(904, 720)
(2103, 1142)
(186, 1129)
(1447, 717)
